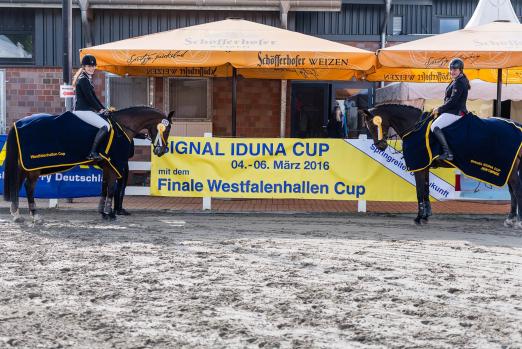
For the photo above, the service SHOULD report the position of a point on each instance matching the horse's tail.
(11, 168)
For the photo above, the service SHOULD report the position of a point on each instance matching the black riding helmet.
(456, 63)
(89, 60)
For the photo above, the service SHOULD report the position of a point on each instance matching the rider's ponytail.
(75, 78)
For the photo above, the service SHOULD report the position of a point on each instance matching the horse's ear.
(365, 112)
(171, 115)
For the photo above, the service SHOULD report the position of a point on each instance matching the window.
(124, 92)
(17, 36)
(449, 24)
(16, 47)
(189, 98)
(2, 103)
(397, 25)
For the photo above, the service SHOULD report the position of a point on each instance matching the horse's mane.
(399, 106)
(138, 110)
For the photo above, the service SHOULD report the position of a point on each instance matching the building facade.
(31, 58)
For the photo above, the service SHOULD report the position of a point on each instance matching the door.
(309, 109)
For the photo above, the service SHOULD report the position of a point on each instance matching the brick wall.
(258, 108)
(30, 91)
(37, 90)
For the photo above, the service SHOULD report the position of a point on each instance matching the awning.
(213, 49)
(484, 49)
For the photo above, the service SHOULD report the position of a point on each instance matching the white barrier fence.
(139, 166)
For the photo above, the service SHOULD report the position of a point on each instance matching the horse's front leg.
(103, 197)
(111, 184)
(427, 203)
(420, 183)
(30, 184)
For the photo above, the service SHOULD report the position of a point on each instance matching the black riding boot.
(446, 152)
(100, 136)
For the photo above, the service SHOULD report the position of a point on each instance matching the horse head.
(377, 125)
(159, 134)
(379, 120)
(156, 123)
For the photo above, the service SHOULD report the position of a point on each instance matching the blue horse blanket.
(484, 149)
(55, 143)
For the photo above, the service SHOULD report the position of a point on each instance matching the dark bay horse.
(132, 121)
(404, 119)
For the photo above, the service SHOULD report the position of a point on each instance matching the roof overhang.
(223, 5)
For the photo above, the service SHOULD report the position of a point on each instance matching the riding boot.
(446, 152)
(100, 136)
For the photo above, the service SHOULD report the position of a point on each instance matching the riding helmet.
(456, 63)
(89, 60)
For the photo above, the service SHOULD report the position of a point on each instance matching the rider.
(454, 106)
(88, 107)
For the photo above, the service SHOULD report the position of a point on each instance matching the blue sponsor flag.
(80, 181)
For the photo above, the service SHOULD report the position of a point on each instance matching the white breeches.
(445, 119)
(92, 118)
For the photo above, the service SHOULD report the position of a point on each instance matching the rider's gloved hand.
(141, 135)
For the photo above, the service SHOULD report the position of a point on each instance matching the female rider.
(454, 106)
(88, 107)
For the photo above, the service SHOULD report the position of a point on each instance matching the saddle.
(55, 143)
(484, 149)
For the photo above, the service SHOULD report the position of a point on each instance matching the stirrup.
(94, 156)
(446, 156)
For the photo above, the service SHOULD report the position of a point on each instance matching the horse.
(131, 121)
(404, 119)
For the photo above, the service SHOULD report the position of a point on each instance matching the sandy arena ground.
(180, 280)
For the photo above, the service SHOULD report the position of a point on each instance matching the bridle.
(160, 143)
(377, 121)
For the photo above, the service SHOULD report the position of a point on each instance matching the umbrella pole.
(234, 100)
(499, 93)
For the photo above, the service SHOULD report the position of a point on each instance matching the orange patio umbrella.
(230, 47)
(215, 49)
(491, 52)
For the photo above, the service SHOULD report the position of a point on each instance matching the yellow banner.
(331, 169)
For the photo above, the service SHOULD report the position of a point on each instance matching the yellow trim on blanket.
(117, 124)
(452, 164)
(111, 136)
(428, 148)
(507, 177)
(110, 163)
(61, 165)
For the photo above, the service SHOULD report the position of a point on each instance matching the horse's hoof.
(518, 225)
(109, 216)
(509, 222)
(417, 221)
(424, 220)
(18, 219)
(37, 220)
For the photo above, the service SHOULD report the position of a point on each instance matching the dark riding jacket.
(85, 97)
(456, 96)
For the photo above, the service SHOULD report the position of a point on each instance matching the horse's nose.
(382, 145)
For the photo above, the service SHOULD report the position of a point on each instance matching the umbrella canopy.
(214, 49)
(484, 49)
